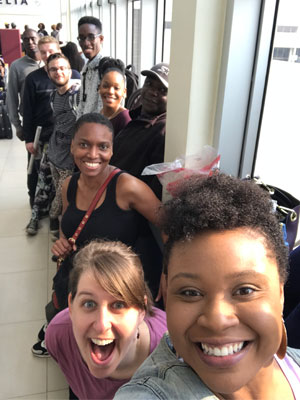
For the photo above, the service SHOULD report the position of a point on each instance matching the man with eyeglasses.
(90, 39)
(64, 102)
(38, 112)
(18, 71)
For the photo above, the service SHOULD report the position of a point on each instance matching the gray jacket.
(163, 376)
(90, 99)
(18, 71)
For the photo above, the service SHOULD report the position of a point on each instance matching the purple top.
(120, 121)
(291, 371)
(62, 346)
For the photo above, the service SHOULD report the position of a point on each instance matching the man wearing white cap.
(142, 141)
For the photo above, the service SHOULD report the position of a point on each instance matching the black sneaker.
(32, 227)
(41, 334)
(40, 350)
(54, 225)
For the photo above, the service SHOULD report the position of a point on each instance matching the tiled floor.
(26, 272)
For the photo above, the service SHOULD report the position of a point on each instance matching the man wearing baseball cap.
(142, 141)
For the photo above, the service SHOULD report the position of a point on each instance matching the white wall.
(196, 50)
(35, 11)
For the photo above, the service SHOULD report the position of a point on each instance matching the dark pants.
(32, 179)
(44, 189)
(72, 396)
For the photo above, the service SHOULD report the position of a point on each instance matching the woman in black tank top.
(119, 213)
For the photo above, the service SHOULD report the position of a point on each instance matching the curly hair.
(108, 64)
(118, 270)
(220, 203)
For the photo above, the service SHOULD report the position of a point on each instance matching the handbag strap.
(72, 240)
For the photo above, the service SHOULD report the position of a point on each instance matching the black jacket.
(141, 143)
(37, 110)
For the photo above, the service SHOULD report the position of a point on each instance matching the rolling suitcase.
(5, 124)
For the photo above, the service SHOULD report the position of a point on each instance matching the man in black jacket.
(142, 141)
(38, 112)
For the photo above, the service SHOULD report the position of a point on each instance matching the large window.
(136, 34)
(279, 142)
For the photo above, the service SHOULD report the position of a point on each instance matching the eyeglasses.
(62, 68)
(90, 37)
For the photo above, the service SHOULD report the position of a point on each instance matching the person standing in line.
(64, 102)
(142, 141)
(90, 39)
(58, 28)
(54, 31)
(42, 32)
(70, 50)
(18, 71)
(38, 112)
(113, 91)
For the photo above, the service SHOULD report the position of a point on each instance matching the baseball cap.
(160, 71)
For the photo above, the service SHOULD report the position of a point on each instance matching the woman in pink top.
(110, 326)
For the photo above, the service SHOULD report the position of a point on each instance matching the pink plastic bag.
(171, 174)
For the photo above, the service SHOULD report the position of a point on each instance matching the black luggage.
(5, 124)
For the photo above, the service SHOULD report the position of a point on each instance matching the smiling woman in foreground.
(110, 326)
(225, 266)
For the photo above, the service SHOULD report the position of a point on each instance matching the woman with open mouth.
(225, 267)
(110, 326)
(122, 211)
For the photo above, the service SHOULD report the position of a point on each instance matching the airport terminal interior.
(225, 90)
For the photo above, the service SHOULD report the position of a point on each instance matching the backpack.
(132, 80)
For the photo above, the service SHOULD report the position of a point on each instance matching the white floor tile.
(58, 395)
(24, 253)
(22, 374)
(16, 163)
(14, 198)
(56, 380)
(39, 396)
(26, 274)
(13, 223)
(10, 179)
(23, 296)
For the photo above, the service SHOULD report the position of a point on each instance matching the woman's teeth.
(227, 350)
(92, 165)
(102, 342)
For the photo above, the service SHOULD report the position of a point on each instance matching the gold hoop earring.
(283, 345)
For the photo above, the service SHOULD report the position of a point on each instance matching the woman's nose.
(103, 320)
(218, 315)
(93, 152)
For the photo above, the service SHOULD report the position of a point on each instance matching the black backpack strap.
(52, 96)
